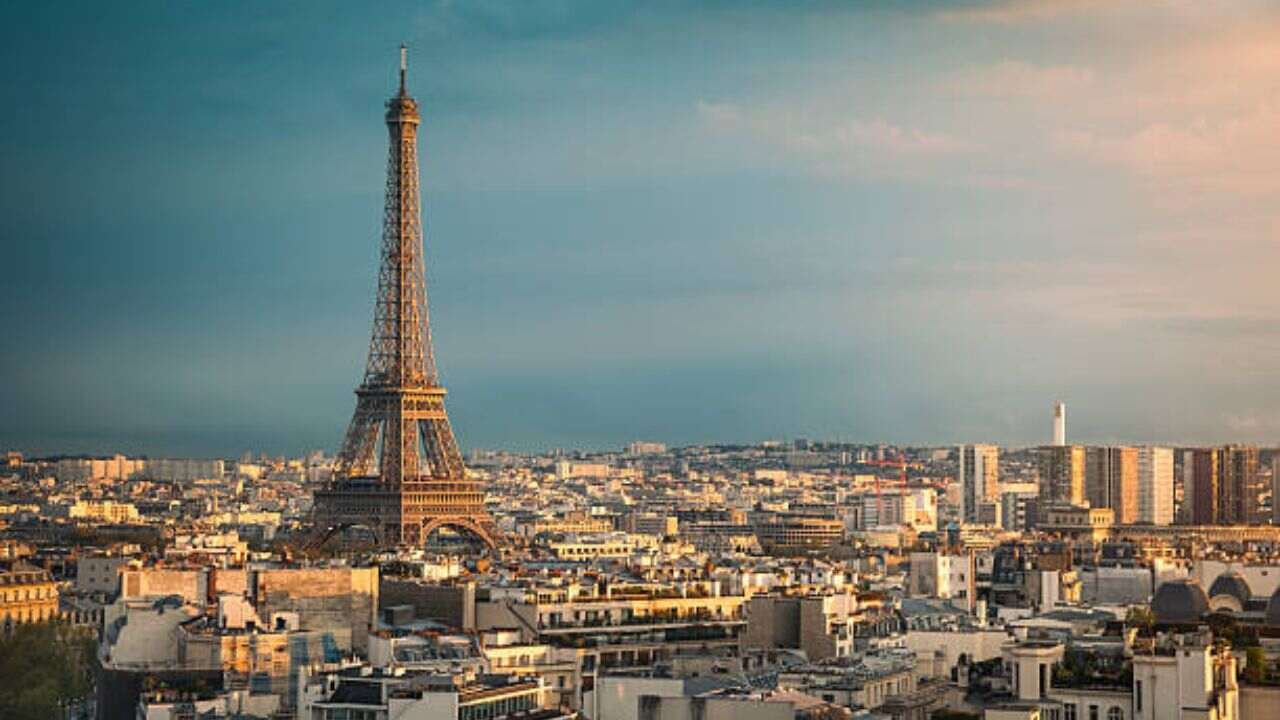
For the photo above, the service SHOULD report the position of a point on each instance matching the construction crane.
(901, 463)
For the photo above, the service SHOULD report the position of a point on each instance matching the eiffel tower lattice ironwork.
(399, 473)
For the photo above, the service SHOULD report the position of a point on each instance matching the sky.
(686, 222)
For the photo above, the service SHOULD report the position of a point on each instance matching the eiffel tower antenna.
(404, 68)
(399, 473)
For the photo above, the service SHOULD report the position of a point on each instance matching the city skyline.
(806, 237)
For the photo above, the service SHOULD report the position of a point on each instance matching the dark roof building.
(1182, 601)
(1232, 583)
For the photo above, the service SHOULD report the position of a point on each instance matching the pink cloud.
(1015, 79)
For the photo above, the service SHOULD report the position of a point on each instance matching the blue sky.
(683, 222)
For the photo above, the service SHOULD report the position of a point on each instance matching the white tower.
(1059, 424)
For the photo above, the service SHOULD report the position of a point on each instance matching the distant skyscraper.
(1275, 489)
(1059, 424)
(1111, 481)
(1155, 485)
(1239, 487)
(1200, 478)
(979, 477)
(1221, 486)
(1061, 475)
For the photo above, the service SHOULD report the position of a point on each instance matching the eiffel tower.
(399, 473)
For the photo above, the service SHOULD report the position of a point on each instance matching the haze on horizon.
(918, 225)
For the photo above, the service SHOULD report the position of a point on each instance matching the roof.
(1232, 583)
(1181, 601)
(357, 693)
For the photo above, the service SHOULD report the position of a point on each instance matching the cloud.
(875, 134)
(1017, 79)
(829, 142)
(1236, 153)
(1226, 327)
(1010, 12)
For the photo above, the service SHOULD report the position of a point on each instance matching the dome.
(1273, 608)
(1231, 583)
(1184, 601)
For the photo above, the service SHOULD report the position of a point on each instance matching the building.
(948, 577)
(653, 696)
(1221, 486)
(822, 626)
(1080, 523)
(114, 468)
(1155, 485)
(577, 523)
(27, 594)
(978, 473)
(641, 447)
(1018, 503)
(870, 681)
(322, 597)
(1062, 474)
(103, 511)
(184, 469)
(925, 504)
(651, 523)
(584, 549)
(1200, 479)
(1031, 668)
(1186, 677)
(1275, 489)
(605, 626)
(798, 533)
(99, 574)
(1111, 481)
(376, 695)
(1240, 502)
(895, 507)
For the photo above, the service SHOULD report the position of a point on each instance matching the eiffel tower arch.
(399, 472)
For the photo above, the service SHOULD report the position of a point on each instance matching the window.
(1093, 712)
(1069, 711)
(1137, 696)
(1115, 713)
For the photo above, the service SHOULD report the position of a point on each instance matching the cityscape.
(405, 571)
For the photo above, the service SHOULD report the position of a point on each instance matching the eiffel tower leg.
(442, 447)
(356, 459)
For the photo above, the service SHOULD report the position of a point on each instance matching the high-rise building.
(1155, 485)
(1240, 501)
(1221, 486)
(978, 474)
(1275, 489)
(1111, 481)
(1200, 478)
(1059, 424)
(1017, 505)
(1061, 475)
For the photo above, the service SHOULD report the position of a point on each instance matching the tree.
(1141, 617)
(1255, 669)
(43, 668)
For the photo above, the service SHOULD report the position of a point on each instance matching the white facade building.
(1155, 485)
(1059, 424)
